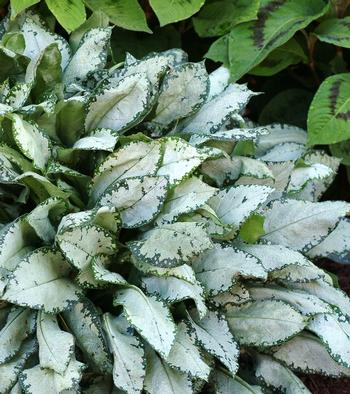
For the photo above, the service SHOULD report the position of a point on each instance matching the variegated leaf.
(226, 384)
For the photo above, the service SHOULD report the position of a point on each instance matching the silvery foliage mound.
(152, 238)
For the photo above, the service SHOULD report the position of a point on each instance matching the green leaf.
(176, 10)
(43, 272)
(128, 353)
(171, 245)
(329, 111)
(127, 14)
(342, 150)
(55, 346)
(252, 229)
(251, 42)
(17, 6)
(138, 199)
(334, 31)
(69, 13)
(158, 329)
(250, 326)
(119, 107)
(219, 17)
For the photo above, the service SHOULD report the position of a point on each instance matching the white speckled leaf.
(99, 267)
(128, 353)
(171, 245)
(302, 175)
(302, 224)
(90, 56)
(219, 268)
(138, 199)
(119, 107)
(99, 139)
(249, 324)
(18, 95)
(183, 91)
(218, 81)
(225, 384)
(55, 346)
(150, 317)
(302, 274)
(213, 334)
(284, 152)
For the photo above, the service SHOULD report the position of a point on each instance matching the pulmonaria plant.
(152, 237)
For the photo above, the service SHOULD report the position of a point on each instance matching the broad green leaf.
(334, 31)
(69, 13)
(219, 17)
(40, 282)
(329, 111)
(306, 353)
(84, 322)
(90, 56)
(276, 376)
(172, 290)
(17, 6)
(183, 91)
(302, 224)
(127, 14)
(334, 332)
(31, 140)
(342, 151)
(137, 158)
(35, 378)
(235, 204)
(55, 346)
(16, 329)
(162, 378)
(175, 10)
(306, 304)
(119, 107)
(138, 199)
(171, 245)
(225, 384)
(188, 196)
(219, 269)
(251, 42)
(80, 244)
(185, 356)
(158, 329)
(249, 324)
(128, 353)
(252, 229)
(213, 334)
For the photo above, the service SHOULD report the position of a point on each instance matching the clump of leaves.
(152, 237)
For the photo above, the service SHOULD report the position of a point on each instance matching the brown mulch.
(320, 384)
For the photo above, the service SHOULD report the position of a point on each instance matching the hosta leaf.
(161, 378)
(33, 379)
(173, 289)
(276, 376)
(183, 91)
(92, 52)
(213, 334)
(171, 245)
(225, 384)
(80, 244)
(40, 282)
(302, 224)
(334, 31)
(249, 324)
(188, 196)
(233, 205)
(69, 13)
(138, 199)
(306, 304)
(219, 268)
(84, 322)
(16, 329)
(329, 111)
(37, 38)
(119, 107)
(334, 332)
(55, 346)
(158, 329)
(31, 141)
(175, 11)
(137, 158)
(180, 159)
(306, 353)
(185, 356)
(128, 353)
(219, 110)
